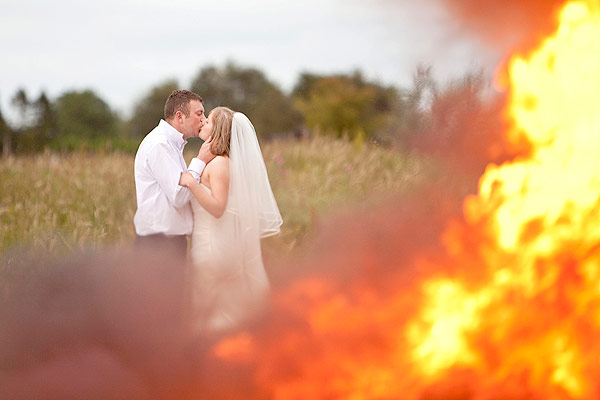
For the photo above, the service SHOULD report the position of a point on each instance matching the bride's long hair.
(250, 196)
(222, 118)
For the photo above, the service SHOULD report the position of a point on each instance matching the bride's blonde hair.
(222, 118)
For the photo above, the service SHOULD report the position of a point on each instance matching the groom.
(164, 214)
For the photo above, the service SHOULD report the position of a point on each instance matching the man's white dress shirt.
(162, 205)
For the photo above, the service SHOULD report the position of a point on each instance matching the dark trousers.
(177, 244)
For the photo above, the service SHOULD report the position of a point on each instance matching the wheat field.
(62, 203)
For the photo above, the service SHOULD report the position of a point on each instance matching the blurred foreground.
(114, 324)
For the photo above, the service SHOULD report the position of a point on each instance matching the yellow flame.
(533, 205)
(555, 105)
(450, 313)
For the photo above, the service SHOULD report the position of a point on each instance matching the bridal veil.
(250, 194)
(232, 282)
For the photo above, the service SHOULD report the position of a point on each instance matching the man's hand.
(186, 179)
(205, 154)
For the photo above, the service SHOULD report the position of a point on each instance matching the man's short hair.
(179, 100)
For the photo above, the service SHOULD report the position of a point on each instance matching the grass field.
(59, 203)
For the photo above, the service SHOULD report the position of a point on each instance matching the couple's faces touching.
(196, 124)
(207, 129)
(192, 124)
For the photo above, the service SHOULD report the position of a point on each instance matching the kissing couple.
(222, 200)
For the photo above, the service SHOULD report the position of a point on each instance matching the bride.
(234, 208)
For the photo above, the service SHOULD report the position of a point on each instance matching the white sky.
(121, 48)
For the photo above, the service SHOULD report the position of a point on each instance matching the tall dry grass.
(55, 202)
(64, 202)
(312, 178)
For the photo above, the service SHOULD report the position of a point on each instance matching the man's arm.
(196, 168)
(165, 165)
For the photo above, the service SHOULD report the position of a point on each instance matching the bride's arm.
(216, 201)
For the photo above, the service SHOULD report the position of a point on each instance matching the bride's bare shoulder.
(218, 168)
(219, 163)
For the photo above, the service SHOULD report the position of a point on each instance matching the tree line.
(427, 115)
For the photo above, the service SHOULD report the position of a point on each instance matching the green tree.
(84, 115)
(21, 102)
(305, 82)
(43, 126)
(249, 91)
(23, 134)
(6, 134)
(343, 105)
(37, 122)
(150, 109)
(45, 117)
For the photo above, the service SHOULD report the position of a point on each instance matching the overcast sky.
(122, 48)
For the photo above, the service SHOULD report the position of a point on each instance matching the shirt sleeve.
(166, 167)
(196, 167)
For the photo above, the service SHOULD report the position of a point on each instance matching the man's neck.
(176, 127)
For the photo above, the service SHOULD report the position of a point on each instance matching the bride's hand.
(186, 179)
(205, 154)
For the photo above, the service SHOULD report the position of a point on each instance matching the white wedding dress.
(229, 280)
(230, 283)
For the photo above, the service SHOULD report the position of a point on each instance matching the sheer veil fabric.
(231, 283)
(250, 194)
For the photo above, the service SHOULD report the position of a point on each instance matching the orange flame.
(540, 215)
(513, 311)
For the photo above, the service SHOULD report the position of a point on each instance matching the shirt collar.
(173, 135)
